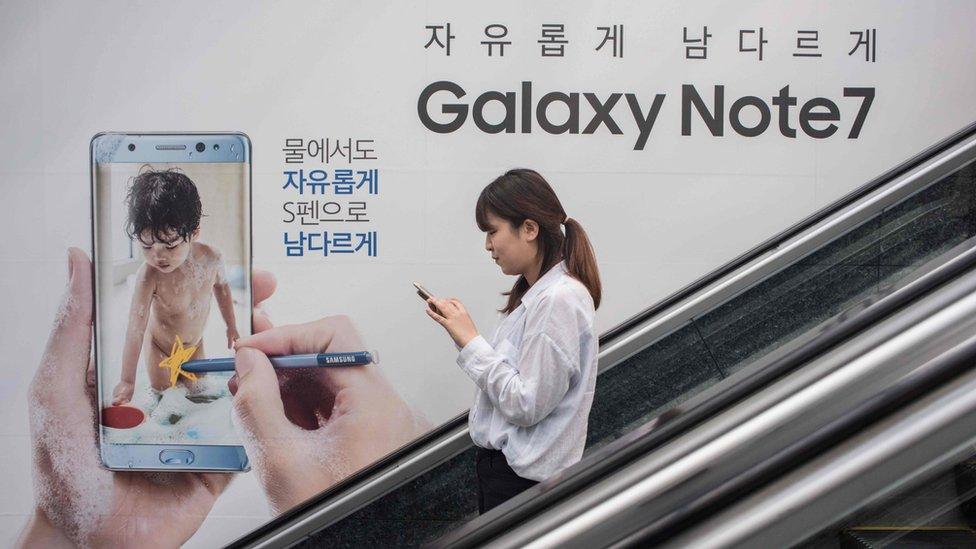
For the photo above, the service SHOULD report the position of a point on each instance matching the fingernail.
(71, 267)
(242, 363)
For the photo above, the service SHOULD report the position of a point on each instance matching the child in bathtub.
(173, 285)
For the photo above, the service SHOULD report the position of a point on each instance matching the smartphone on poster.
(171, 235)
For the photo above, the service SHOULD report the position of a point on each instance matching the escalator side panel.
(634, 391)
(422, 510)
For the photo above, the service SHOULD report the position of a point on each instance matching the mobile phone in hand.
(425, 295)
(422, 292)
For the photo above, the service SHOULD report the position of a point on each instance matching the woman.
(536, 375)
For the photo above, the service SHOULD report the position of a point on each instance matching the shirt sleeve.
(527, 390)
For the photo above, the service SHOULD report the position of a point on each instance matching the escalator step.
(898, 538)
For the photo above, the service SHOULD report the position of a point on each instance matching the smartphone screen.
(172, 245)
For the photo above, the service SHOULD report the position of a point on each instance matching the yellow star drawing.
(175, 360)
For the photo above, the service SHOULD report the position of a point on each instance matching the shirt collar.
(545, 281)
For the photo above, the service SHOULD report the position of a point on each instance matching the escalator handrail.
(773, 242)
(954, 364)
(870, 478)
(641, 441)
(452, 426)
(908, 389)
(659, 507)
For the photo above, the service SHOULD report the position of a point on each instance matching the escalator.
(701, 351)
(879, 411)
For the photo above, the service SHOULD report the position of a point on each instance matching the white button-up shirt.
(536, 377)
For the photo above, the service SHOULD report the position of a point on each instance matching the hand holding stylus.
(78, 502)
(306, 430)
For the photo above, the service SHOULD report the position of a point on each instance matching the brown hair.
(522, 194)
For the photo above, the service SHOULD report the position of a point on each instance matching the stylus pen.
(226, 364)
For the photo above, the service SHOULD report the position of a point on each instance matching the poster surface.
(678, 135)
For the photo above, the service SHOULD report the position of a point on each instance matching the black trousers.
(497, 482)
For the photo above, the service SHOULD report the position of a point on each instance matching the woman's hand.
(79, 502)
(308, 429)
(451, 314)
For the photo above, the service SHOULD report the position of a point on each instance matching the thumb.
(62, 375)
(257, 399)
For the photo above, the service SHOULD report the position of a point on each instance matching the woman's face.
(514, 250)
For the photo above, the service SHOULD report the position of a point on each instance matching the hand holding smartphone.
(425, 295)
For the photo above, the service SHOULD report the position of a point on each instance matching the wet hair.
(162, 201)
(521, 194)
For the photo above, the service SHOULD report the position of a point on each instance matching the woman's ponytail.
(580, 259)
